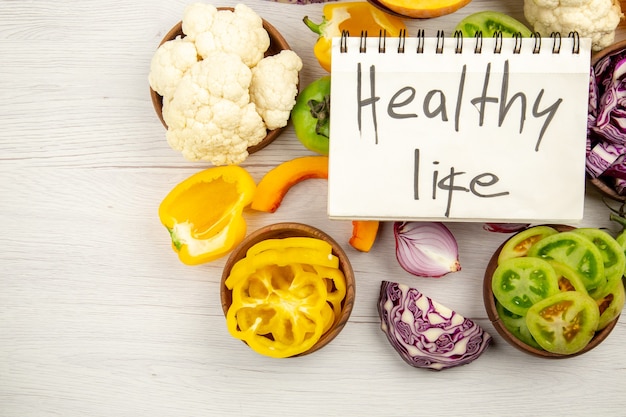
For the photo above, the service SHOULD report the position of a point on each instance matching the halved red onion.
(426, 249)
(425, 333)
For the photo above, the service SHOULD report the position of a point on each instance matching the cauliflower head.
(210, 116)
(220, 95)
(595, 19)
(274, 87)
(240, 32)
(169, 63)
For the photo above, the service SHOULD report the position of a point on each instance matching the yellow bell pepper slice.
(286, 293)
(351, 16)
(204, 213)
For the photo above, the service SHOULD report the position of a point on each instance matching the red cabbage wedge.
(425, 333)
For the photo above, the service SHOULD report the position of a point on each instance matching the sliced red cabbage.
(606, 121)
(425, 333)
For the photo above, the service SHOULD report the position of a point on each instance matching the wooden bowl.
(277, 44)
(604, 184)
(492, 313)
(284, 230)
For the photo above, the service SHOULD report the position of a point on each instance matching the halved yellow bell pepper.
(351, 16)
(204, 213)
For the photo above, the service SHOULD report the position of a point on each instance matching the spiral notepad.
(458, 129)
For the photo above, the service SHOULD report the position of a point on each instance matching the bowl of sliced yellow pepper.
(287, 290)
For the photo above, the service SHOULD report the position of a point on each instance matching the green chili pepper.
(311, 115)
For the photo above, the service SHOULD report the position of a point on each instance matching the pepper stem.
(315, 27)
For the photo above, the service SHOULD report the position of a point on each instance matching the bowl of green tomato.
(555, 291)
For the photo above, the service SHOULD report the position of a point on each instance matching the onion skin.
(425, 333)
(426, 249)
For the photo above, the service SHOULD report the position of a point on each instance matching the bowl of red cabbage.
(606, 122)
(555, 291)
(425, 333)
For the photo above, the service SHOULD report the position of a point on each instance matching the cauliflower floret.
(169, 63)
(595, 19)
(240, 32)
(210, 116)
(274, 87)
(198, 18)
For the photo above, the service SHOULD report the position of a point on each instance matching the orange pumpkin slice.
(424, 9)
(274, 185)
(363, 234)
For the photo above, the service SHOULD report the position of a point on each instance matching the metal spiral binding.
(362, 44)
(537, 37)
(556, 44)
(576, 47)
(478, 48)
(458, 36)
(382, 41)
(343, 43)
(401, 40)
(497, 48)
(518, 43)
(420, 41)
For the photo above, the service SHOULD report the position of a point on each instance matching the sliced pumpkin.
(363, 234)
(274, 185)
(278, 181)
(424, 9)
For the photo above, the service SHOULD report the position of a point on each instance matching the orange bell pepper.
(351, 16)
(204, 213)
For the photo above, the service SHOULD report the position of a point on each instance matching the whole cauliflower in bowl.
(220, 94)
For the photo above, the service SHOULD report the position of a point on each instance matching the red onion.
(425, 333)
(426, 249)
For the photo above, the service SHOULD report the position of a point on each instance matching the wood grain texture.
(99, 318)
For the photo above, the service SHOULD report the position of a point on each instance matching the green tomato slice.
(576, 251)
(568, 278)
(612, 253)
(563, 323)
(519, 243)
(516, 324)
(611, 303)
(489, 22)
(519, 283)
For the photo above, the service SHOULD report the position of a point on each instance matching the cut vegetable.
(424, 9)
(489, 22)
(426, 249)
(363, 234)
(425, 333)
(275, 184)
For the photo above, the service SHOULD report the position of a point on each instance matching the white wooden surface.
(99, 318)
